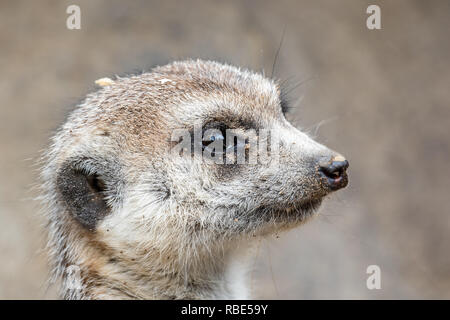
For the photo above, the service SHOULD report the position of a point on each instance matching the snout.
(333, 173)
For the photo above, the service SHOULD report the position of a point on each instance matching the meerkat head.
(155, 177)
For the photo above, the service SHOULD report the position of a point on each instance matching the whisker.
(298, 84)
(277, 53)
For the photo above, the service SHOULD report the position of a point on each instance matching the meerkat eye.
(210, 136)
(216, 136)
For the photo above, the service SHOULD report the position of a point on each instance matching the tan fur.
(175, 227)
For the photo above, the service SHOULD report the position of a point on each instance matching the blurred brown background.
(381, 97)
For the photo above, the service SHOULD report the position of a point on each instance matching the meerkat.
(138, 221)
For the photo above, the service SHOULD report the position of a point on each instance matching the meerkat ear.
(83, 194)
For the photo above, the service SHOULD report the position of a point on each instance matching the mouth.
(305, 208)
(336, 180)
(273, 219)
(294, 211)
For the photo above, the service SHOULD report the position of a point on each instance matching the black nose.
(333, 173)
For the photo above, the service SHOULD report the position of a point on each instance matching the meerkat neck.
(219, 273)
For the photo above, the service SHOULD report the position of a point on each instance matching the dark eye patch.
(84, 195)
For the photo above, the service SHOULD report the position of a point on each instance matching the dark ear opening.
(84, 195)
